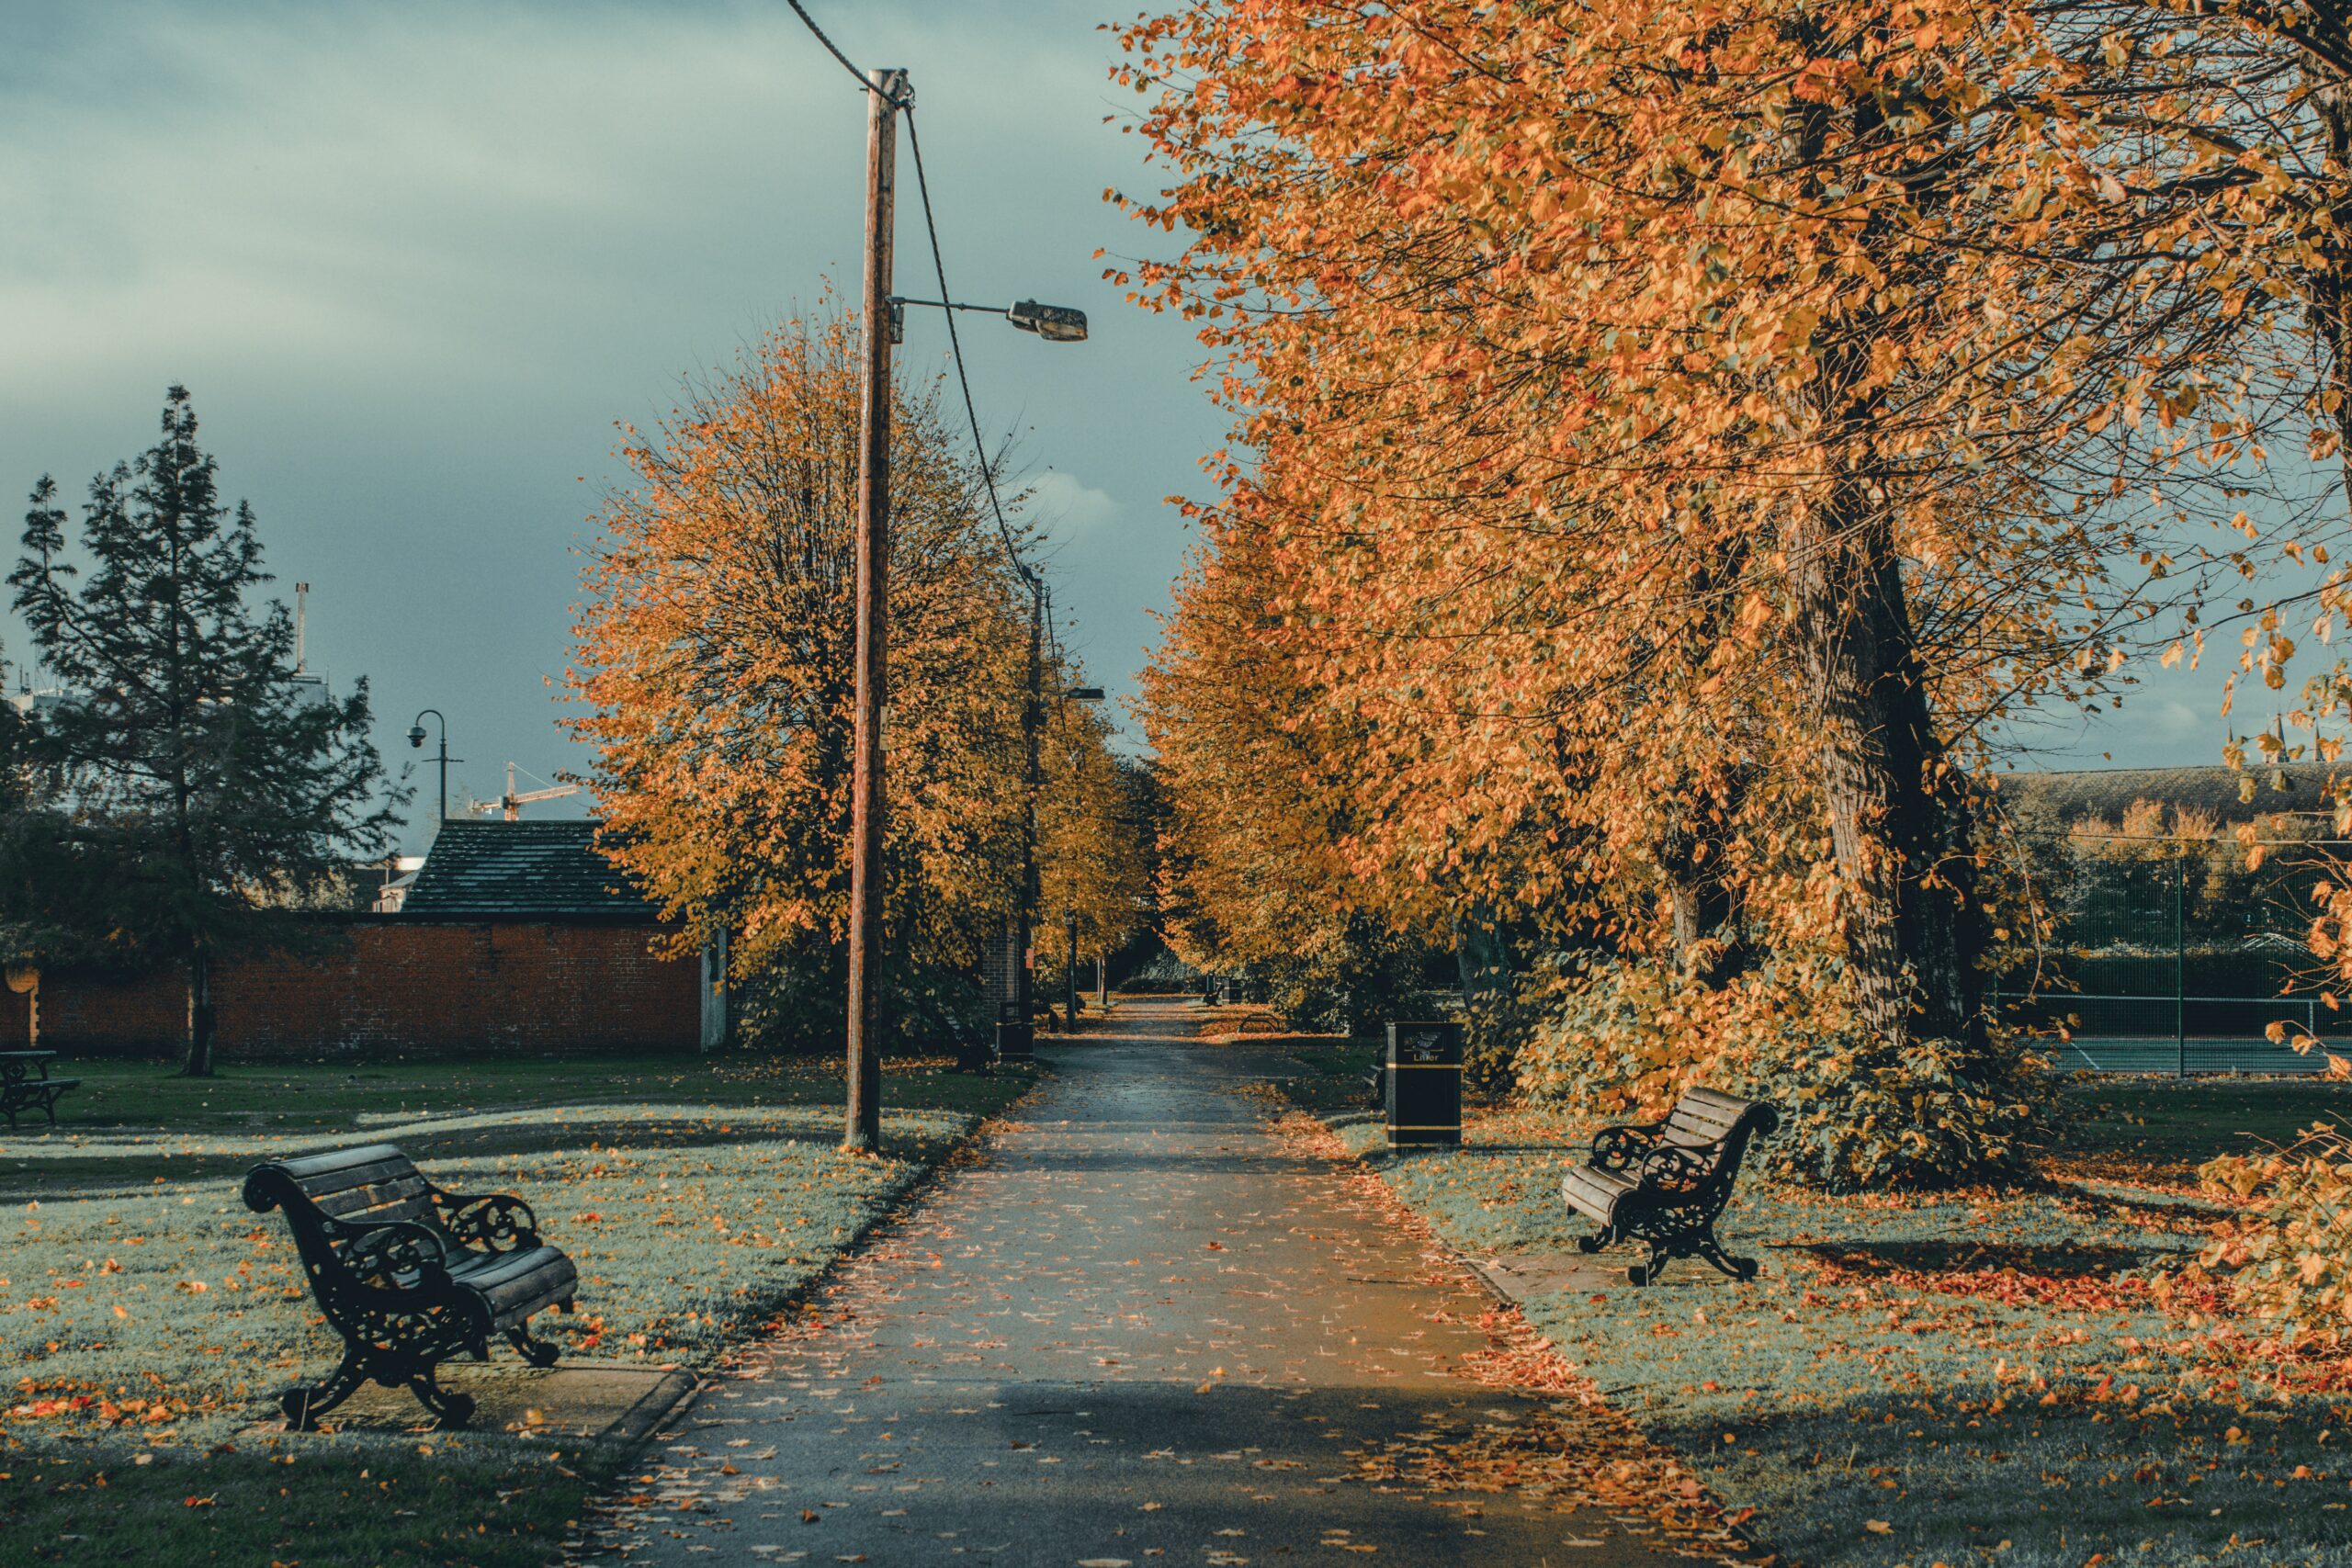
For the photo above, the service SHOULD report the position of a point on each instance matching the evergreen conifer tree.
(212, 795)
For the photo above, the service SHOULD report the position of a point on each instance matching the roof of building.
(2216, 790)
(522, 870)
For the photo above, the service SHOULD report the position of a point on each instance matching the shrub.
(2287, 1257)
(1613, 1037)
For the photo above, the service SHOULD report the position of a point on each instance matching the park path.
(1139, 1328)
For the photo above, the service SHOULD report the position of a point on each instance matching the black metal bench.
(25, 1085)
(409, 1275)
(1664, 1182)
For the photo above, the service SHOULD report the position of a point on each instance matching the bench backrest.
(360, 1186)
(374, 1182)
(1722, 1124)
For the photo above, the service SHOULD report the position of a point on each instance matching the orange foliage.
(714, 668)
(1677, 439)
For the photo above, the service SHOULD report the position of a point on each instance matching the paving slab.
(1139, 1329)
(573, 1399)
(1520, 1276)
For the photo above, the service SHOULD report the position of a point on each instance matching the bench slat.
(407, 1194)
(304, 1169)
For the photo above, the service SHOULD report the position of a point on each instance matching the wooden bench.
(25, 1085)
(1664, 1182)
(410, 1275)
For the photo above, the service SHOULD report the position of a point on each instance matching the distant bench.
(409, 1275)
(25, 1085)
(1664, 1182)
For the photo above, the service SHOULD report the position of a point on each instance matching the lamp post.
(886, 93)
(417, 742)
(1070, 965)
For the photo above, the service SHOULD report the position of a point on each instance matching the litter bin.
(1423, 1095)
(1015, 1034)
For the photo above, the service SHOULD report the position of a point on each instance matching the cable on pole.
(830, 48)
(955, 349)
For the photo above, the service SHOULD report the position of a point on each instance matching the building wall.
(396, 988)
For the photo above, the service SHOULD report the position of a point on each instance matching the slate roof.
(522, 870)
(2217, 790)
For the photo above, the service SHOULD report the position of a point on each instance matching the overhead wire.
(963, 381)
(830, 48)
(1026, 573)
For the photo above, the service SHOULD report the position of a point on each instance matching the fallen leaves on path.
(1565, 1443)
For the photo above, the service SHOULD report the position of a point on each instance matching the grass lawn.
(147, 1317)
(1971, 1379)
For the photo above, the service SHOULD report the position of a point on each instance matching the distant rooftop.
(2214, 789)
(521, 870)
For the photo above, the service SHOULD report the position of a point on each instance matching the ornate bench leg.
(1646, 1271)
(1594, 1242)
(538, 1352)
(303, 1406)
(452, 1409)
(1713, 1251)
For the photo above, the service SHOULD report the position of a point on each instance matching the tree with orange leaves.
(714, 673)
(1676, 441)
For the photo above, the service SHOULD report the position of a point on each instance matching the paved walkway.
(1139, 1330)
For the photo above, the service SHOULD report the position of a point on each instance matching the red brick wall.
(395, 988)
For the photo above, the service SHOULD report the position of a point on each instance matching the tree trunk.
(1898, 811)
(1702, 900)
(201, 1023)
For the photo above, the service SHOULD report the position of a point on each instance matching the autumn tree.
(714, 674)
(1668, 449)
(1093, 860)
(205, 797)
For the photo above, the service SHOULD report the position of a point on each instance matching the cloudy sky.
(414, 261)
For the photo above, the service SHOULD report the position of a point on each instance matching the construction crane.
(511, 804)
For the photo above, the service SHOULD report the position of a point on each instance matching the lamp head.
(416, 736)
(1054, 323)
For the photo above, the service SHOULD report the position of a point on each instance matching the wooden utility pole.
(886, 91)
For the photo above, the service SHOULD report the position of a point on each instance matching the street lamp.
(1054, 323)
(417, 742)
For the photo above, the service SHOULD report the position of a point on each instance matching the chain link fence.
(2169, 953)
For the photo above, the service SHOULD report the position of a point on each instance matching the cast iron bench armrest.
(378, 1252)
(1616, 1148)
(495, 1221)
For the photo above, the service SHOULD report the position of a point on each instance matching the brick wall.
(396, 988)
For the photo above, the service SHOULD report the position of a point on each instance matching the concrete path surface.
(1137, 1329)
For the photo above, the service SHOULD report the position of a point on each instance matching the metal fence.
(2164, 953)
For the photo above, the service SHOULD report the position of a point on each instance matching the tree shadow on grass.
(1964, 1475)
(2056, 1260)
(54, 1177)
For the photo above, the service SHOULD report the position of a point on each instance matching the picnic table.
(25, 1085)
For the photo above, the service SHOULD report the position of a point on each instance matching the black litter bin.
(1015, 1034)
(1424, 1085)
